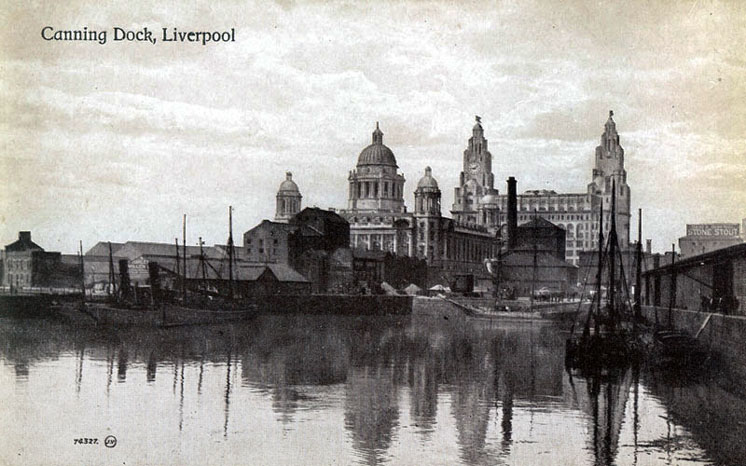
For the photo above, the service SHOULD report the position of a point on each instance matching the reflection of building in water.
(122, 365)
(473, 399)
(423, 392)
(371, 410)
(151, 367)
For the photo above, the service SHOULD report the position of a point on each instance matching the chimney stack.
(24, 236)
(648, 246)
(512, 213)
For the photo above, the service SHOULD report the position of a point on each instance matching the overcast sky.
(115, 142)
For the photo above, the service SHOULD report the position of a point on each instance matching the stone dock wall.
(723, 334)
(336, 304)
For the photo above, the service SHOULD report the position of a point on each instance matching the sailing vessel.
(610, 337)
(130, 306)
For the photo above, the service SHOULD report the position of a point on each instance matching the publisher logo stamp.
(110, 441)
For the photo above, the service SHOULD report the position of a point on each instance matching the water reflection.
(373, 390)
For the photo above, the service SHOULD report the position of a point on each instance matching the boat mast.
(184, 254)
(672, 288)
(612, 259)
(600, 264)
(533, 272)
(178, 260)
(112, 284)
(638, 267)
(82, 272)
(202, 266)
(230, 251)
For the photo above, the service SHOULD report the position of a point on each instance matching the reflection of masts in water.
(181, 397)
(109, 370)
(227, 394)
(636, 417)
(122, 365)
(608, 397)
(201, 373)
(79, 375)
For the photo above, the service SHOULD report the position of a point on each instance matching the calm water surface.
(346, 390)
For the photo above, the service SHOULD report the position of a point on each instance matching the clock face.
(474, 167)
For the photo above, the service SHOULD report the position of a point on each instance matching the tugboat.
(610, 338)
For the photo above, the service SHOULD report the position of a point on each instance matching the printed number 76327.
(85, 441)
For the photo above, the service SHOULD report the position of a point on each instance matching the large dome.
(428, 181)
(377, 153)
(289, 185)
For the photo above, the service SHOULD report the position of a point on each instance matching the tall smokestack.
(512, 213)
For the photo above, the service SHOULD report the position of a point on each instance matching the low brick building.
(522, 271)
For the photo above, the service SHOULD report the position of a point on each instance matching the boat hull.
(167, 315)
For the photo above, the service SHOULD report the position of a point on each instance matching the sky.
(116, 142)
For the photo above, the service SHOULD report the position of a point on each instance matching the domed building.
(288, 200)
(375, 184)
(379, 220)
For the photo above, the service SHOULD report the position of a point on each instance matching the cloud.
(117, 141)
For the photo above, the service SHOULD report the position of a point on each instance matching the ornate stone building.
(476, 202)
(379, 220)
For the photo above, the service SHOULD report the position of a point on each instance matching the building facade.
(379, 219)
(477, 202)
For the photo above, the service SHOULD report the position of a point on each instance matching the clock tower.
(476, 179)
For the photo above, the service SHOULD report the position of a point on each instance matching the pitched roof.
(539, 222)
(218, 270)
(526, 259)
(102, 249)
(285, 273)
(134, 249)
(23, 243)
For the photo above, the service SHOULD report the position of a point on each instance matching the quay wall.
(27, 305)
(724, 334)
(336, 304)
